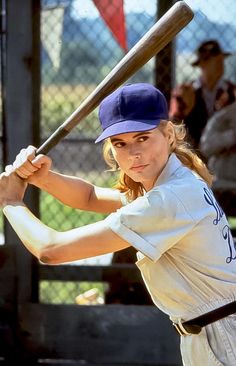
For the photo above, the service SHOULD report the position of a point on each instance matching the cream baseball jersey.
(186, 252)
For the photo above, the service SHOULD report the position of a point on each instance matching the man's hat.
(208, 49)
(132, 108)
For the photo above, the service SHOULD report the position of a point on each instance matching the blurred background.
(79, 44)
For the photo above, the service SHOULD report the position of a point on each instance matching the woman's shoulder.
(185, 186)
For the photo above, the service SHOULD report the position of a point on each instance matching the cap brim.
(196, 62)
(128, 126)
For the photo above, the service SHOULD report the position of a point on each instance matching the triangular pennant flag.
(52, 27)
(112, 12)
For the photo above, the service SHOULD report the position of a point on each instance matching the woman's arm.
(53, 247)
(71, 191)
(49, 245)
(81, 194)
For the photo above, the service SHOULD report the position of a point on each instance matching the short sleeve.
(152, 223)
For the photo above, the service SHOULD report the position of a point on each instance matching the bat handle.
(52, 141)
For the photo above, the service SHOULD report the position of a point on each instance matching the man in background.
(196, 101)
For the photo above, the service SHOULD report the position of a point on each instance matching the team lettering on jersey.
(226, 232)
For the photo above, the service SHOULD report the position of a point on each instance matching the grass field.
(59, 102)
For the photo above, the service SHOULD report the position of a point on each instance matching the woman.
(162, 206)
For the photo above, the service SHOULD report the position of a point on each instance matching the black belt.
(194, 326)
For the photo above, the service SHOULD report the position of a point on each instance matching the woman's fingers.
(31, 167)
(42, 163)
(23, 165)
(21, 174)
(25, 169)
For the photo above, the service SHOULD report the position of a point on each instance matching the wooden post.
(22, 107)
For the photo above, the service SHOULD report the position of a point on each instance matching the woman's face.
(142, 155)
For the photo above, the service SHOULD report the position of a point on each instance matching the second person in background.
(195, 101)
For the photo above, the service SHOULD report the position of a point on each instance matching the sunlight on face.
(142, 156)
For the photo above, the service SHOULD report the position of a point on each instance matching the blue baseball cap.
(132, 108)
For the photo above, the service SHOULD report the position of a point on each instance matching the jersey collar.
(172, 165)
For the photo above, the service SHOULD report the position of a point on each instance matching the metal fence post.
(165, 60)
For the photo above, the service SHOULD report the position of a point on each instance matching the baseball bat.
(159, 35)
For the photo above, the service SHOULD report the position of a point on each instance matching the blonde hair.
(179, 146)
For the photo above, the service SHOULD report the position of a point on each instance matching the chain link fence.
(211, 21)
(78, 49)
(86, 52)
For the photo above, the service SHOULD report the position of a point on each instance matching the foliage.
(58, 292)
(58, 102)
(61, 217)
(232, 222)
